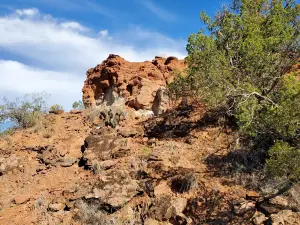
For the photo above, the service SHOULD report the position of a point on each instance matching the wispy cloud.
(103, 33)
(76, 5)
(47, 54)
(159, 12)
(73, 25)
(27, 12)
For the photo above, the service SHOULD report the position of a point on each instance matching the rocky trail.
(169, 169)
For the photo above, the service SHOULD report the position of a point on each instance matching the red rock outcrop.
(136, 82)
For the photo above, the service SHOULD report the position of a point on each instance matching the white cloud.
(21, 79)
(159, 12)
(103, 33)
(50, 55)
(73, 26)
(27, 12)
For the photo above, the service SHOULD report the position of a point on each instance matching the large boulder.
(139, 83)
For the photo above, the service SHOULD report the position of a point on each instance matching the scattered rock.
(66, 162)
(259, 218)
(244, 207)
(21, 199)
(285, 217)
(56, 158)
(117, 192)
(76, 111)
(105, 165)
(279, 201)
(252, 195)
(268, 208)
(131, 132)
(167, 207)
(9, 163)
(162, 188)
(177, 207)
(56, 207)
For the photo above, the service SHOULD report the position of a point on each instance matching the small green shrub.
(56, 107)
(180, 87)
(78, 105)
(284, 161)
(24, 112)
(146, 152)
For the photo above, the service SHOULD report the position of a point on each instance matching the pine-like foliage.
(242, 62)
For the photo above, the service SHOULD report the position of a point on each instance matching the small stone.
(189, 220)
(244, 208)
(252, 195)
(279, 201)
(281, 217)
(162, 188)
(269, 208)
(259, 218)
(75, 111)
(88, 196)
(177, 207)
(68, 162)
(99, 193)
(21, 199)
(56, 207)
(105, 165)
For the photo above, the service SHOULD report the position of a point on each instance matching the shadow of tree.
(177, 123)
(241, 160)
(214, 207)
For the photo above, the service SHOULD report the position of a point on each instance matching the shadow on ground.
(179, 122)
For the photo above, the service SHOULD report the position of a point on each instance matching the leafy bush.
(78, 105)
(56, 107)
(242, 62)
(180, 87)
(24, 112)
(284, 161)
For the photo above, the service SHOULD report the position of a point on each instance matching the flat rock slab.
(21, 199)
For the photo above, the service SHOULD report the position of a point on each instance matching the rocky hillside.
(87, 167)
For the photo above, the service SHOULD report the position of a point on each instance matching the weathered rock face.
(137, 82)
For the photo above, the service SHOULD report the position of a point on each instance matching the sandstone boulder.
(139, 83)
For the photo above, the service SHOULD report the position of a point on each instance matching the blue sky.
(48, 45)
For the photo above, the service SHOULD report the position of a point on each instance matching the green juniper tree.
(242, 63)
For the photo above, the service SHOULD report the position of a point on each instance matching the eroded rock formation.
(139, 83)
